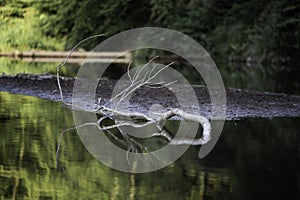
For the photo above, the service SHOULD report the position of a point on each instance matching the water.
(271, 78)
(253, 159)
(14, 66)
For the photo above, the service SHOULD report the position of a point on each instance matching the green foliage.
(160, 11)
(19, 28)
(79, 19)
(242, 28)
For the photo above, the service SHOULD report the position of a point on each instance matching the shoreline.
(240, 103)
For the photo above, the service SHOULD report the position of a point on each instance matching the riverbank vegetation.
(237, 29)
(240, 30)
(20, 28)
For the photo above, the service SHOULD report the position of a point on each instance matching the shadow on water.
(253, 159)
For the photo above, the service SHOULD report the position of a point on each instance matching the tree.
(244, 28)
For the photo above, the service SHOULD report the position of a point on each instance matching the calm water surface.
(253, 159)
(279, 78)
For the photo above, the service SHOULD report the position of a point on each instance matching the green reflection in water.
(254, 159)
(13, 67)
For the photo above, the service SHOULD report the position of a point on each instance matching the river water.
(253, 159)
(270, 78)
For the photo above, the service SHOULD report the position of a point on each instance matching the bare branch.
(129, 123)
(161, 86)
(206, 135)
(127, 115)
(136, 75)
(128, 72)
(65, 62)
(142, 77)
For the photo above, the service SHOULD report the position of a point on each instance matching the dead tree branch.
(143, 76)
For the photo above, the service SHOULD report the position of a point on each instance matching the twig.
(65, 62)
(139, 79)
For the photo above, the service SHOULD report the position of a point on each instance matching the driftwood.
(143, 77)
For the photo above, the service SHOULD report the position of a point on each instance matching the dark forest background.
(265, 30)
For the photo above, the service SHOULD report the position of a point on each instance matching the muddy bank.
(240, 104)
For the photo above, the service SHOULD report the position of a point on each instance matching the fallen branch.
(143, 76)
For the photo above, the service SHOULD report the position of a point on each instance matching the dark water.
(253, 159)
(251, 76)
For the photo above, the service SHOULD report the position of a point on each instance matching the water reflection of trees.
(28, 167)
(247, 162)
